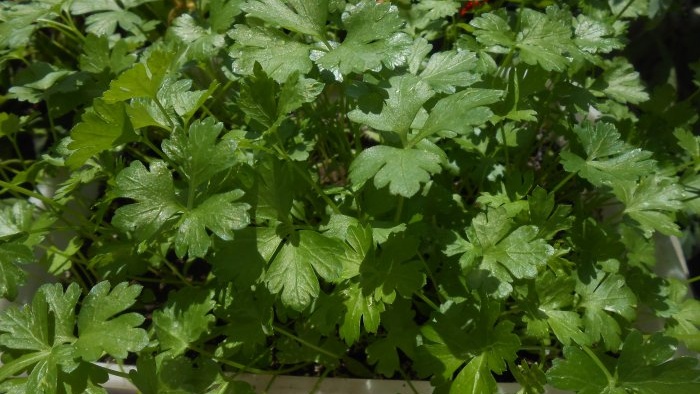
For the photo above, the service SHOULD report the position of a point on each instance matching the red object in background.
(470, 5)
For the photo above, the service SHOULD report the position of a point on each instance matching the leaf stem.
(304, 342)
(164, 111)
(308, 179)
(619, 14)
(596, 360)
(227, 362)
(563, 182)
(112, 371)
(399, 210)
(427, 300)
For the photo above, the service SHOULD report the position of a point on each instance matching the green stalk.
(303, 342)
(611, 380)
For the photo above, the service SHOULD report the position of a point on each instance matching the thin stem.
(164, 111)
(693, 280)
(176, 272)
(46, 200)
(427, 300)
(319, 381)
(619, 14)
(596, 360)
(430, 276)
(308, 179)
(399, 210)
(408, 381)
(112, 371)
(227, 362)
(563, 182)
(303, 342)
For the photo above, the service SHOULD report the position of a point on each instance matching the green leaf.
(406, 97)
(390, 272)
(543, 214)
(578, 371)
(402, 169)
(505, 254)
(97, 57)
(278, 54)
(608, 159)
(106, 15)
(56, 357)
(543, 39)
(652, 203)
(373, 40)
(446, 70)
(402, 331)
(222, 13)
(102, 127)
(685, 323)
(183, 319)
(360, 309)
(101, 332)
(178, 375)
(554, 299)
(475, 377)
(462, 333)
(11, 275)
(155, 195)
(594, 36)
(218, 213)
(457, 112)
(201, 42)
(622, 83)
(159, 202)
(199, 152)
(293, 271)
(301, 16)
(645, 366)
(142, 80)
(603, 295)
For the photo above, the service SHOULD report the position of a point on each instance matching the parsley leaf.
(401, 335)
(608, 158)
(373, 39)
(306, 17)
(446, 70)
(103, 126)
(621, 83)
(403, 170)
(106, 15)
(97, 317)
(201, 42)
(278, 54)
(154, 192)
(293, 271)
(198, 152)
(494, 246)
(554, 296)
(44, 332)
(11, 275)
(142, 80)
(644, 366)
(544, 39)
(651, 203)
(457, 112)
(360, 308)
(602, 295)
(407, 94)
(158, 201)
(183, 319)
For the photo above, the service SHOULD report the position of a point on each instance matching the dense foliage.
(461, 191)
